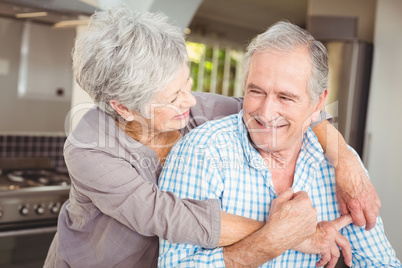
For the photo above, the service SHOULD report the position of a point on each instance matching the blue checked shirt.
(216, 160)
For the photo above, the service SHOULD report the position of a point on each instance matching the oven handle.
(33, 231)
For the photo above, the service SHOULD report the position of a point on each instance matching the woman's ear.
(122, 110)
(319, 105)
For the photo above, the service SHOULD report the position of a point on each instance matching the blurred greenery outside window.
(215, 68)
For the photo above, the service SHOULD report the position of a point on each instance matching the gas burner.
(31, 193)
(16, 179)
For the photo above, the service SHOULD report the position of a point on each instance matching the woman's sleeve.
(119, 191)
(211, 107)
(323, 116)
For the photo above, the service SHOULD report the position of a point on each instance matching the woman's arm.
(355, 193)
(235, 228)
(118, 190)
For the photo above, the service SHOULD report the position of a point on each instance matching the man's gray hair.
(127, 56)
(285, 36)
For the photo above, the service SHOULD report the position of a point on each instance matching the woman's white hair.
(285, 36)
(127, 56)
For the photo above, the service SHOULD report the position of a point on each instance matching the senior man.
(255, 160)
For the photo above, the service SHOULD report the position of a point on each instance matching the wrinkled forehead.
(280, 67)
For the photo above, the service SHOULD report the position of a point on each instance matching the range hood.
(55, 10)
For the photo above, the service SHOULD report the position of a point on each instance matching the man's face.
(277, 109)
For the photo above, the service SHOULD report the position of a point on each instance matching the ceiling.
(236, 21)
(240, 20)
(57, 10)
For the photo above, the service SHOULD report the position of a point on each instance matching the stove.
(31, 194)
(13, 179)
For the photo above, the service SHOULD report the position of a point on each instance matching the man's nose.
(269, 109)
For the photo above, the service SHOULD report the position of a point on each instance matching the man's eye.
(255, 92)
(285, 98)
(173, 101)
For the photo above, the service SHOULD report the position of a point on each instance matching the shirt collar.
(251, 154)
(312, 147)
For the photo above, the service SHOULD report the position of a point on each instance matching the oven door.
(28, 222)
(25, 247)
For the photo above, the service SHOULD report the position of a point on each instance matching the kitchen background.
(40, 103)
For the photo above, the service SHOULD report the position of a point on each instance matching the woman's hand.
(326, 240)
(355, 193)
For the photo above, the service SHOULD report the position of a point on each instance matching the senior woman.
(134, 66)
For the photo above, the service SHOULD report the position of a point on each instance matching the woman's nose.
(189, 99)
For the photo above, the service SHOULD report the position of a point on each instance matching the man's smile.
(272, 125)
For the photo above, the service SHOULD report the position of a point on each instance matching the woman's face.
(170, 108)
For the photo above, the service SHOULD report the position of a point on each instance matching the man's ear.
(122, 110)
(319, 105)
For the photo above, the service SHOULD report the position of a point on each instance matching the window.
(215, 68)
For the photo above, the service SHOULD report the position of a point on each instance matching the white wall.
(380, 22)
(81, 102)
(133, 4)
(180, 12)
(364, 10)
(19, 114)
(384, 121)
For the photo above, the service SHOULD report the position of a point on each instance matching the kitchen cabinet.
(45, 62)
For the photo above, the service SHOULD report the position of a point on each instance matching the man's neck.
(282, 165)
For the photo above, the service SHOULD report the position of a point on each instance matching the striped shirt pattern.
(217, 160)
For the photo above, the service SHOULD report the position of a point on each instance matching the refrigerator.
(348, 88)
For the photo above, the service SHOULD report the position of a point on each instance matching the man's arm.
(355, 193)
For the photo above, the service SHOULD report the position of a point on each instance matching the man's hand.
(292, 219)
(355, 193)
(326, 240)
